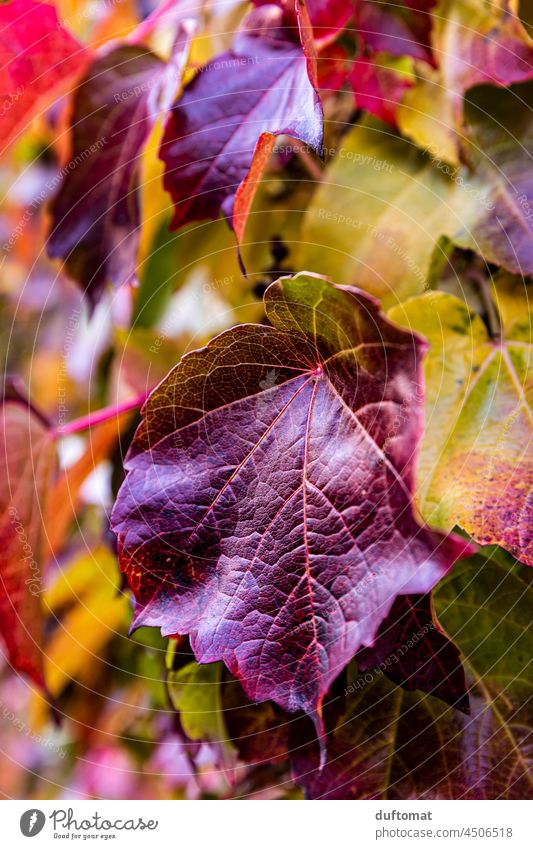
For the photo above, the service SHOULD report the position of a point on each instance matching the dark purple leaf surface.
(267, 507)
(96, 220)
(412, 650)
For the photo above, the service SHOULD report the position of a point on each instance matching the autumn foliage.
(266, 501)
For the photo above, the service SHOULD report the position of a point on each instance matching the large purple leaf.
(96, 220)
(267, 510)
(221, 130)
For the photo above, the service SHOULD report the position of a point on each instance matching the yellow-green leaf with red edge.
(476, 460)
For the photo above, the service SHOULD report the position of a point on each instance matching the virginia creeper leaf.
(195, 692)
(500, 134)
(412, 650)
(267, 505)
(475, 467)
(400, 29)
(396, 745)
(375, 219)
(27, 459)
(38, 60)
(221, 131)
(96, 216)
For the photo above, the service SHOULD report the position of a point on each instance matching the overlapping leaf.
(395, 745)
(474, 42)
(221, 131)
(399, 29)
(377, 218)
(378, 86)
(412, 650)
(480, 42)
(500, 135)
(267, 506)
(96, 216)
(328, 17)
(476, 466)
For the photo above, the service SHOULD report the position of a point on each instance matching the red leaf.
(412, 650)
(38, 59)
(377, 88)
(27, 459)
(96, 219)
(267, 510)
(219, 132)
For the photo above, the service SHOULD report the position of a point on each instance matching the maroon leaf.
(412, 650)
(260, 733)
(221, 130)
(27, 459)
(267, 510)
(38, 59)
(96, 213)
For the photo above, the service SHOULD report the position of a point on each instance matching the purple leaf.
(412, 650)
(96, 219)
(394, 29)
(220, 132)
(267, 510)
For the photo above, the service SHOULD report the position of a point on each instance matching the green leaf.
(377, 216)
(195, 692)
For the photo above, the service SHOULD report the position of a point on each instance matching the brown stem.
(493, 319)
